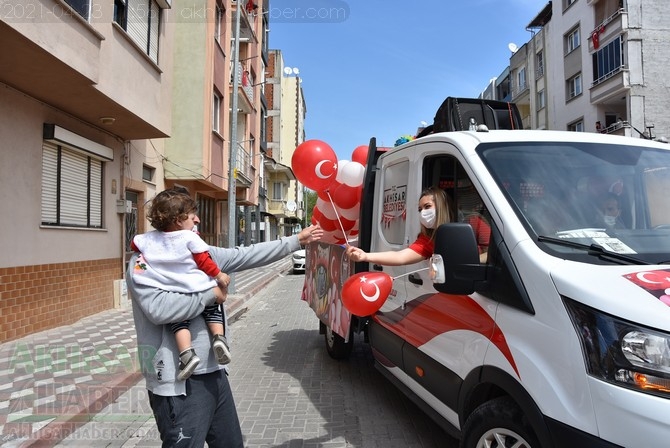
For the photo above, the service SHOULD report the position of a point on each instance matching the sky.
(373, 68)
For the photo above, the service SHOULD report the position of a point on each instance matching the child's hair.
(170, 206)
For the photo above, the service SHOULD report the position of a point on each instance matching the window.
(541, 100)
(277, 191)
(216, 112)
(71, 187)
(568, 3)
(577, 126)
(148, 173)
(572, 41)
(539, 60)
(608, 60)
(80, 6)
(575, 86)
(141, 20)
(522, 79)
(218, 22)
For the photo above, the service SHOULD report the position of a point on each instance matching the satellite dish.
(288, 70)
(291, 206)
(512, 47)
(296, 70)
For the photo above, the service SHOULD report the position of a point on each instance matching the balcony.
(245, 91)
(63, 64)
(608, 28)
(612, 86)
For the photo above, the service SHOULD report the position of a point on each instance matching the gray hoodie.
(153, 309)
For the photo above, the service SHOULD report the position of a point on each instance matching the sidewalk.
(52, 383)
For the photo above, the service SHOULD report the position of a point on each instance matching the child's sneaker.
(188, 361)
(220, 347)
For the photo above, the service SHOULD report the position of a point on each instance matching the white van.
(562, 338)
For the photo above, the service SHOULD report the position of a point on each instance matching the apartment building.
(220, 57)
(286, 130)
(595, 66)
(85, 95)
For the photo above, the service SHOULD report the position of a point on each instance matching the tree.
(310, 202)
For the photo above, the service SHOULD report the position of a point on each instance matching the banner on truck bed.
(326, 269)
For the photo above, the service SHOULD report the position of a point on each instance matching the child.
(174, 258)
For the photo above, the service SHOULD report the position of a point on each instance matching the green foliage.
(310, 202)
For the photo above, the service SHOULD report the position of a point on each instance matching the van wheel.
(335, 345)
(498, 423)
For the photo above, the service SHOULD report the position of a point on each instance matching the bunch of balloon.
(338, 185)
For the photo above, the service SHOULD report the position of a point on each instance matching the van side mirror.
(456, 244)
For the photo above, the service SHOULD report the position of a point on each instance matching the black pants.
(205, 414)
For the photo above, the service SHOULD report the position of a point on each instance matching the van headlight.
(621, 352)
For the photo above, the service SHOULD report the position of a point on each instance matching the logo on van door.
(395, 204)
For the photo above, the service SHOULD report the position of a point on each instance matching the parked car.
(299, 261)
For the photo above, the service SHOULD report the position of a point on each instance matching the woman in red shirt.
(434, 211)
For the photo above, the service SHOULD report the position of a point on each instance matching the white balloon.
(326, 208)
(351, 174)
(340, 164)
(351, 213)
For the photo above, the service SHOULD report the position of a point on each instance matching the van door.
(444, 335)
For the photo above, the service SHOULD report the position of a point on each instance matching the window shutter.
(74, 189)
(154, 30)
(96, 193)
(138, 22)
(49, 184)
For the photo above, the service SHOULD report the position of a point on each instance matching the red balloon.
(346, 197)
(314, 164)
(328, 237)
(328, 225)
(360, 155)
(316, 215)
(324, 194)
(363, 294)
(346, 224)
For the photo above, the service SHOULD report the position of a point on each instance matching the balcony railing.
(245, 81)
(243, 164)
(607, 76)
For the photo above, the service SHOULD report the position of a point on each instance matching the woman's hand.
(356, 254)
(310, 234)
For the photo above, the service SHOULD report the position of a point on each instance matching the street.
(289, 392)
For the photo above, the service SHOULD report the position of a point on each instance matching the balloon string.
(409, 273)
(346, 238)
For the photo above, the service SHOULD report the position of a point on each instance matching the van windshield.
(612, 197)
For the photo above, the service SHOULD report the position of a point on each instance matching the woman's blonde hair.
(443, 212)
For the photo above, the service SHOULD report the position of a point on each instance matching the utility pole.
(232, 209)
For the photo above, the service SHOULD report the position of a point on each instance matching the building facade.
(85, 95)
(286, 130)
(595, 66)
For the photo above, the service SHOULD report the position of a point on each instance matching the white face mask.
(610, 221)
(427, 218)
